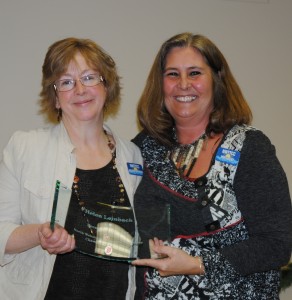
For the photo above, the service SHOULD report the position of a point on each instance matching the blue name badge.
(228, 156)
(135, 169)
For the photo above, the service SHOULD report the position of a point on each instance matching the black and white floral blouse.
(237, 217)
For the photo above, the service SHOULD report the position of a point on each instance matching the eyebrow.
(189, 68)
(90, 71)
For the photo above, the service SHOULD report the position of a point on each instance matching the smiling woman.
(230, 209)
(79, 167)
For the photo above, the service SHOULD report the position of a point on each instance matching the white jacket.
(32, 162)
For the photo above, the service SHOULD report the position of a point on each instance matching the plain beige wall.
(254, 35)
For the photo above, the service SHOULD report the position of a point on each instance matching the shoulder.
(258, 152)
(38, 134)
(139, 138)
(127, 145)
(27, 141)
(257, 141)
(125, 149)
(250, 136)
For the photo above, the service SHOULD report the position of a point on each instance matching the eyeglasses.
(65, 85)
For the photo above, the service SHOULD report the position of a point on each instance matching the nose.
(79, 87)
(184, 83)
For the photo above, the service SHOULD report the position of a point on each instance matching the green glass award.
(153, 222)
(109, 231)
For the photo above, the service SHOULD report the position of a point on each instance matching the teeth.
(186, 98)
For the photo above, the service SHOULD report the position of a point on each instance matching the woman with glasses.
(57, 185)
(228, 196)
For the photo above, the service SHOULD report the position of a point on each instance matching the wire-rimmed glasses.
(65, 85)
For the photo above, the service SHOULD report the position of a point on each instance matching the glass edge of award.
(107, 257)
(167, 239)
(55, 203)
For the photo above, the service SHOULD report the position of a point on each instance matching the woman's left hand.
(175, 261)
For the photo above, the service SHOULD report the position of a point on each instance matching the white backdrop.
(254, 35)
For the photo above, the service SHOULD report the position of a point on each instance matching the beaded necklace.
(116, 202)
(184, 157)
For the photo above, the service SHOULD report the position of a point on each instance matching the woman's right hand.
(58, 241)
(173, 261)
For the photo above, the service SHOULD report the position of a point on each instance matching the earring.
(59, 114)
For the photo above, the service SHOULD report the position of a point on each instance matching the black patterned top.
(243, 233)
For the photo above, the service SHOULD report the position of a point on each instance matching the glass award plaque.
(105, 231)
(108, 231)
(153, 222)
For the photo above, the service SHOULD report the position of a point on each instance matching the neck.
(187, 135)
(85, 134)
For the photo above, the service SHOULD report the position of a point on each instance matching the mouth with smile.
(84, 102)
(185, 99)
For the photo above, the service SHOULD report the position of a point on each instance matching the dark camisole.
(78, 276)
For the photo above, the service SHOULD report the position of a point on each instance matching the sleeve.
(262, 193)
(10, 214)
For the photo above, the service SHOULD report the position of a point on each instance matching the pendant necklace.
(184, 157)
(115, 202)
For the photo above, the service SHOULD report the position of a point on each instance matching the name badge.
(228, 156)
(135, 169)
